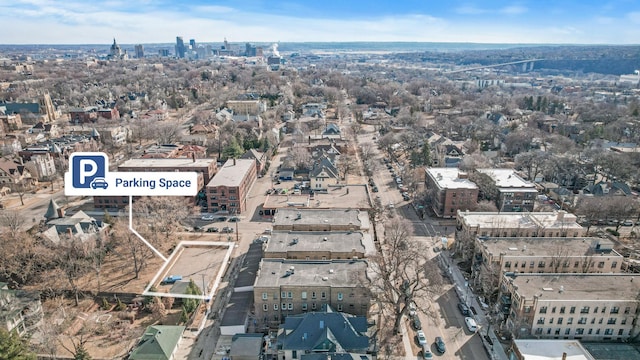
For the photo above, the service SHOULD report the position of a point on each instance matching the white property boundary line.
(174, 254)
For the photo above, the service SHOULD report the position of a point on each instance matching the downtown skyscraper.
(180, 49)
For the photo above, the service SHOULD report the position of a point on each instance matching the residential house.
(224, 115)
(323, 174)
(159, 342)
(20, 311)
(261, 159)
(229, 188)
(450, 190)
(326, 334)
(515, 193)
(612, 188)
(83, 115)
(80, 225)
(331, 131)
(247, 107)
(290, 287)
(313, 110)
(42, 166)
(14, 174)
(588, 307)
(109, 113)
(158, 114)
(10, 145)
(9, 122)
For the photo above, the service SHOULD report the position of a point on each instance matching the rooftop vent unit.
(324, 278)
(513, 248)
(561, 289)
(325, 238)
(292, 269)
(330, 271)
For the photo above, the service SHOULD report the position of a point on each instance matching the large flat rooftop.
(336, 273)
(333, 241)
(335, 217)
(539, 246)
(166, 163)
(520, 220)
(552, 349)
(449, 178)
(583, 287)
(507, 178)
(232, 173)
(335, 197)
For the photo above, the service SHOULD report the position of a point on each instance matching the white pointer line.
(138, 235)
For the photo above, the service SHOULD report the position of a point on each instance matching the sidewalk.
(494, 351)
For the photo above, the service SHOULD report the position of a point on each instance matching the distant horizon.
(75, 22)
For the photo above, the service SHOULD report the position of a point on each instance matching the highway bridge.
(527, 65)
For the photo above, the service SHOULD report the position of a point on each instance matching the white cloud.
(470, 10)
(214, 9)
(514, 10)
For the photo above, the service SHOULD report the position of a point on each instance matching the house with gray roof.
(322, 333)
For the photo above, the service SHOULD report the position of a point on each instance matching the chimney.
(60, 212)
(193, 156)
(560, 215)
(70, 232)
(234, 161)
(564, 356)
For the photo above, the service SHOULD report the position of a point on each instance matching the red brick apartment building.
(206, 169)
(229, 188)
(450, 191)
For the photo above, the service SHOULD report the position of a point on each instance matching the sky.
(474, 21)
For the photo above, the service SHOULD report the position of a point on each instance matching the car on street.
(220, 219)
(464, 309)
(440, 345)
(406, 197)
(627, 223)
(213, 229)
(261, 240)
(422, 340)
(171, 279)
(412, 309)
(227, 229)
(471, 324)
(233, 219)
(415, 323)
(198, 228)
(207, 217)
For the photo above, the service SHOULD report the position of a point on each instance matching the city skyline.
(493, 21)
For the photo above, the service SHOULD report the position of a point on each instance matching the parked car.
(426, 352)
(234, 219)
(412, 308)
(207, 217)
(406, 197)
(440, 345)
(213, 229)
(627, 223)
(415, 323)
(471, 324)
(220, 219)
(198, 228)
(464, 309)
(227, 229)
(375, 189)
(171, 279)
(422, 340)
(261, 240)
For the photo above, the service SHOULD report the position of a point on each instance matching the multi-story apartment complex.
(312, 245)
(515, 194)
(206, 168)
(229, 188)
(450, 190)
(289, 287)
(592, 307)
(500, 224)
(247, 107)
(495, 256)
(320, 220)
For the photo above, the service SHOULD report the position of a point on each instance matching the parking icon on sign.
(88, 171)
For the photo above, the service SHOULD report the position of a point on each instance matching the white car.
(207, 217)
(422, 340)
(471, 324)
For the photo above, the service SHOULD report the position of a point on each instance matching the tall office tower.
(192, 43)
(139, 51)
(180, 47)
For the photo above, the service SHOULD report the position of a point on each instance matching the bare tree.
(300, 157)
(346, 164)
(74, 260)
(402, 274)
(559, 258)
(12, 222)
(130, 243)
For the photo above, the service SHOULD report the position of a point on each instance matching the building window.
(303, 295)
(304, 306)
(595, 310)
(541, 264)
(608, 332)
(572, 310)
(532, 264)
(284, 306)
(557, 332)
(541, 321)
(579, 331)
(582, 321)
(562, 309)
(313, 306)
(584, 310)
(323, 295)
(627, 310)
(275, 306)
(570, 321)
(339, 307)
(604, 309)
(615, 310)
(614, 264)
(294, 354)
(559, 320)
(265, 307)
(339, 296)
(313, 294)
(290, 306)
(290, 295)
(507, 264)
(567, 331)
(553, 310)
(623, 321)
(543, 310)
(283, 294)
(527, 309)
(611, 321)
(621, 332)
(265, 296)
(538, 331)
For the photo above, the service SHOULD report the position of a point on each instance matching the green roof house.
(159, 342)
